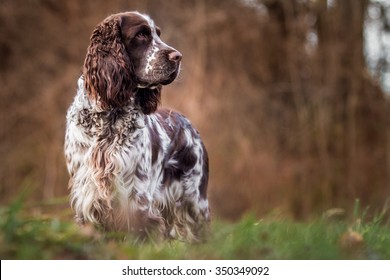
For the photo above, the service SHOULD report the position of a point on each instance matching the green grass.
(24, 235)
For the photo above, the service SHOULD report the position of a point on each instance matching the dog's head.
(127, 59)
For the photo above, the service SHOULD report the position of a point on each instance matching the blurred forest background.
(294, 120)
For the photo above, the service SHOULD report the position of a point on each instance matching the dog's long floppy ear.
(107, 67)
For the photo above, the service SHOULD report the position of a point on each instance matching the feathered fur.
(133, 168)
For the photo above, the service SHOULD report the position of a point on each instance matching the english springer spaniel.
(134, 168)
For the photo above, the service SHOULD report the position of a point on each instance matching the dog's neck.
(104, 123)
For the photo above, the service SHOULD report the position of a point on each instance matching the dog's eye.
(143, 35)
(158, 31)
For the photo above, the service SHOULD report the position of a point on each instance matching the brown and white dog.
(132, 167)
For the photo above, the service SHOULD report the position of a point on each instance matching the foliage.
(279, 91)
(27, 236)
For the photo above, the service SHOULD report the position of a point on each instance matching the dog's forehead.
(148, 19)
(131, 19)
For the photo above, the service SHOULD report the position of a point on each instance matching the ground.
(27, 234)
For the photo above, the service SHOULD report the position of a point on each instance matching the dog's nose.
(175, 56)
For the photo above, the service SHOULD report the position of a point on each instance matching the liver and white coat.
(132, 167)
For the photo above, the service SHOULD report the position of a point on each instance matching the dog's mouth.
(171, 77)
(148, 86)
(159, 78)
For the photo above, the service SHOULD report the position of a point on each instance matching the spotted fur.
(132, 167)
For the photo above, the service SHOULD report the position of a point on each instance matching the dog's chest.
(116, 125)
(117, 142)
